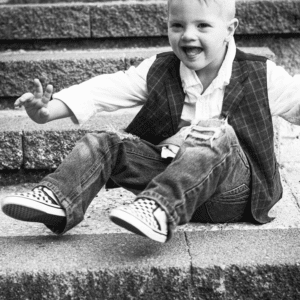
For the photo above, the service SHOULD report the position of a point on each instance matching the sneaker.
(143, 217)
(39, 205)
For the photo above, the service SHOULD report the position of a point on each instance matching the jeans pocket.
(239, 193)
(224, 208)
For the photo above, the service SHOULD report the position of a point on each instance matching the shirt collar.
(189, 77)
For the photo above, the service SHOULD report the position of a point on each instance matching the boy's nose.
(188, 34)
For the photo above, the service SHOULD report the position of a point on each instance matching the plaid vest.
(245, 104)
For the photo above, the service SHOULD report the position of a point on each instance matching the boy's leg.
(210, 168)
(131, 162)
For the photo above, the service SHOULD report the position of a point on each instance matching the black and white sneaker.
(39, 205)
(143, 217)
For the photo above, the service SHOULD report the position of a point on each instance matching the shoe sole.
(131, 223)
(27, 210)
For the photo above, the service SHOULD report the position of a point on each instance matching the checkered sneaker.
(39, 205)
(144, 217)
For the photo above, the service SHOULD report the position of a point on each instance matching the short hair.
(227, 7)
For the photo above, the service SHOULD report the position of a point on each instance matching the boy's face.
(198, 33)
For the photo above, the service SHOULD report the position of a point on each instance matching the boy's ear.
(231, 27)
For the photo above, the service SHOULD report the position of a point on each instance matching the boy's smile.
(198, 33)
(192, 51)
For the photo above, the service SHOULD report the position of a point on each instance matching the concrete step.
(98, 260)
(65, 68)
(13, 2)
(131, 18)
(26, 146)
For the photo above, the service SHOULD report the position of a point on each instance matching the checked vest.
(245, 104)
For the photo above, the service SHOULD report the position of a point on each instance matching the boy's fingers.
(38, 89)
(23, 99)
(48, 93)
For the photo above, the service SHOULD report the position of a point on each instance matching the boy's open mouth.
(192, 51)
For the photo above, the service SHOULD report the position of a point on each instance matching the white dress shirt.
(126, 89)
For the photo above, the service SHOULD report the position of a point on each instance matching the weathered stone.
(15, 176)
(245, 264)
(56, 1)
(66, 68)
(286, 49)
(268, 17)
(11, 152)
(114, 266)
(62, 69)
(129, 19)
(11, 147)
(45, 148)
(44, 21)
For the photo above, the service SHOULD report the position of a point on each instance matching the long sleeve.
(283, 93)
(108, 92)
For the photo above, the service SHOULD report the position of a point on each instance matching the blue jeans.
(207, 181)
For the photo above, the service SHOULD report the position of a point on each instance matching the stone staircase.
(64, 43)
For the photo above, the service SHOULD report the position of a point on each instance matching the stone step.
(13, 2)
(65, 68)
(26, 145)
(98, 260)
(30, 146)
(131, 19)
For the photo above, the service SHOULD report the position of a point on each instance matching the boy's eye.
(203, 25)
(176, 25)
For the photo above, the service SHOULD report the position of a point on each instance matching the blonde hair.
(227, 7)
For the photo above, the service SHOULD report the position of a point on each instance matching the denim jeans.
(207, 181)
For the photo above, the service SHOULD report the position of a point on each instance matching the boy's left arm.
(283, 93)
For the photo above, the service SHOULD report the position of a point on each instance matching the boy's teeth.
(193, 51)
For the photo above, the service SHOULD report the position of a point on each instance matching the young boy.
(201, 147)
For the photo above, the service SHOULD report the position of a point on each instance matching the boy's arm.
(107, 92)
(283, 93)
(39, 107)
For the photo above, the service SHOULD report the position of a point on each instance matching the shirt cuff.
(80, 104)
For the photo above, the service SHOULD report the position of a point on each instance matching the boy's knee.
(211, 131)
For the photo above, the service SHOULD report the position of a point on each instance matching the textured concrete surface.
(290, 145)
(258, 17)
(44, 22)
(60, 68)
(197, 265)
(285, 48)
(98, 260)
(11, 151)
(57, 1)
(39, 147)
(32, 146)
(115, 266)
(133, 19)
(246, 264)
(119, 19)
(97, 222)
(65, 68)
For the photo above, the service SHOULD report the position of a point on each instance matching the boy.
(201, 147)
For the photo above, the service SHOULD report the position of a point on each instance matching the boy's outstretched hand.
(36, 104)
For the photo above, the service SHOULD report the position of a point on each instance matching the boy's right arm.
(39, 107)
